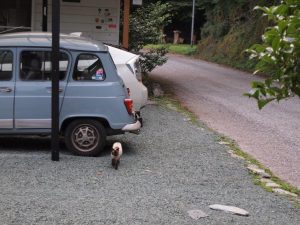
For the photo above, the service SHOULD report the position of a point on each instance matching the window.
(36, 65)
(89, 67)
(6, 62)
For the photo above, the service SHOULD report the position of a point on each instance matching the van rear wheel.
(85, 137)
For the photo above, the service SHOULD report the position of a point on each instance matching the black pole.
(45, 15)
(55, 79)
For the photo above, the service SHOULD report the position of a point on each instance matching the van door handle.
(49, 89)
(5, 89)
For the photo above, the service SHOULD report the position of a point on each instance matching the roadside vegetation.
(232, 26)
(182, 49)
(145, 28)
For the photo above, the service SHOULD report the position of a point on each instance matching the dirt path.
(214, 93)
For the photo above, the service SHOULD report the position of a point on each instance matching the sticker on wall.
(112, 26)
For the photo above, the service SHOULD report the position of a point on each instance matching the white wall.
(97, 19)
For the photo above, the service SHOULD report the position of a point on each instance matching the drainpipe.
(45, 16)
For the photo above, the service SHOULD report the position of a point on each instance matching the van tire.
(85, 137)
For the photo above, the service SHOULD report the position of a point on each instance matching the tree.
(278, 55)
(146, 24)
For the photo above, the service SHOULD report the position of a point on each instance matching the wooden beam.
(125, 41)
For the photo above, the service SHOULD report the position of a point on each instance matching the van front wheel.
(85, 137)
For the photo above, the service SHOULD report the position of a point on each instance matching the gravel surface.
(215, 94)
(172, 167)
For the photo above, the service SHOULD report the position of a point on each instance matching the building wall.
(97, 19)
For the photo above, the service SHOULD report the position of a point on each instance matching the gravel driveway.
(172, 167)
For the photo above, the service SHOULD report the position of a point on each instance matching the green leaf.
(263, 102)
(282, 25)
(276, 43)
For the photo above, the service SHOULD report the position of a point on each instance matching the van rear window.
(89, 67)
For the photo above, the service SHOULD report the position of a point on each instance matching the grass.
(182, 49)
(250, 160)
(176, 105)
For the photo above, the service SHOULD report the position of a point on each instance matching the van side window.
(89, 67)
(6, 61)
(36, 65)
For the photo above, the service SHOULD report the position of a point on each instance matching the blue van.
(94, 103)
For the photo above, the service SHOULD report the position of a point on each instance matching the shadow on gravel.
(25, 143)
(43, 144)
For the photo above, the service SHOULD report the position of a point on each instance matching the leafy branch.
(278, 55)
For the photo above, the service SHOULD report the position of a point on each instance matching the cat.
(116, 153)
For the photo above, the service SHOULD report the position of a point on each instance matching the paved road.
(172, 167)
(214, 93)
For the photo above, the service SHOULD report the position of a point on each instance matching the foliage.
(153, 58)
(231, 27)
(279, 54)
(182, 49)
(146, 24)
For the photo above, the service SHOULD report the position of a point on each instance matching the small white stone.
(233, 155)
(197, 214)
(265, 175)
(284, 192)
(265, 180)
(230, 209)
(255, 169)
(272, 185)
(149, 102)
(157, 91)
(223, 143)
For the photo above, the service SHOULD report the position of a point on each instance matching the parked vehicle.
(129, 70)
(94, 102)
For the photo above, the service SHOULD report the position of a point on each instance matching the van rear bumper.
(133, 127)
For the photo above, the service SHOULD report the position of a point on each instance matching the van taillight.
(129, 105)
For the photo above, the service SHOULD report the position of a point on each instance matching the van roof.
(44, 39)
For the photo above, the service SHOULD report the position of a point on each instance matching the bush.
(278, 55)
(146, 24)
(153, 58)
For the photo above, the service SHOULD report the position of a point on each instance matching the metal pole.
(193, 21)
(55, 79)
(45, 15)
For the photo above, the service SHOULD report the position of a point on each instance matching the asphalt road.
(214, 93)
(172, 167)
